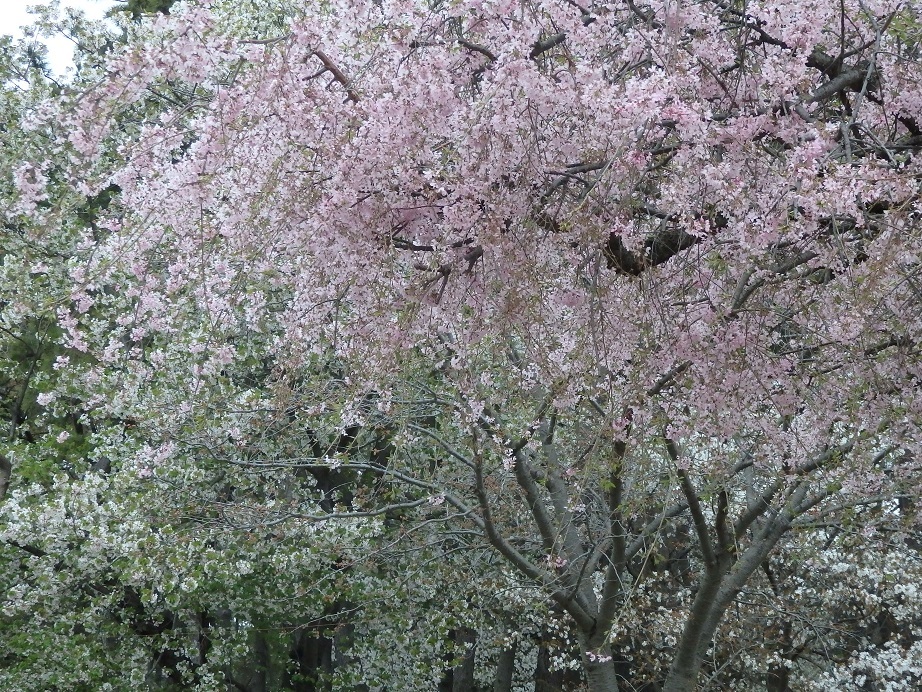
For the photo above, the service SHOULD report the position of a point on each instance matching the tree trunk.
(547, 680)
(682, 679)
(505, 669)
(256, 679)
(312, 656)
(601, 676)
(718, 588)
(693, 645)
(778, 678)
(598, 663)
(463, 673)
(6, 470)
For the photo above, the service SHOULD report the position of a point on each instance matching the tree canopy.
(465, 344)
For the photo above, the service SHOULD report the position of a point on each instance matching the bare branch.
(486, 52)
(691, 496)
(337, 74)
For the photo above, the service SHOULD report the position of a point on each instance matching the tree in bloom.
(620, 299)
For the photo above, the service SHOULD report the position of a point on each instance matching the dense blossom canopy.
(624, 192)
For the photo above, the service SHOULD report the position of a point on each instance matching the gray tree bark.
(505, 669)
(463, 673)
(598, 662)
(722, 581)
